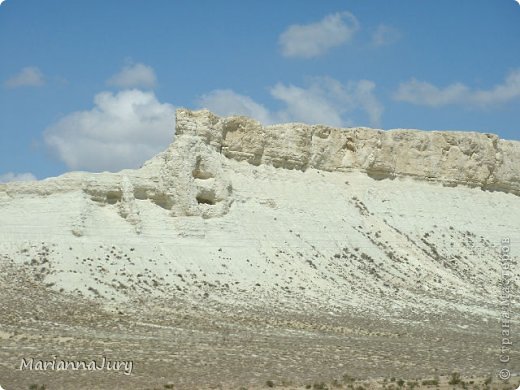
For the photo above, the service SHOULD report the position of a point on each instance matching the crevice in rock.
(199, 172)
(206, 197)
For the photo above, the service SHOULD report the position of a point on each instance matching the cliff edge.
(194, 176)
(466, 158)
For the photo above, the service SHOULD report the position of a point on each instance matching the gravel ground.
(187, 344)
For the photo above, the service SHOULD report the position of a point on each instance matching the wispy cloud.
(29, 76)
(366, 100)
(315, 39)
(323, 100)
(226, 102)
(328, 101)
(122, 131)
(313, 104)
(385, 35)
(134, 76)
(11, 176)
(426, 94)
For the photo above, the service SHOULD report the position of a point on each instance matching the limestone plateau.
(246, 256)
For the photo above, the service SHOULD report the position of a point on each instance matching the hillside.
(246, 249)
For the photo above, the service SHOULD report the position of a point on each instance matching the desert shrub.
(455, 379)
(320, 386)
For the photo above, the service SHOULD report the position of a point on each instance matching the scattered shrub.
(455, 379)
(320, 386)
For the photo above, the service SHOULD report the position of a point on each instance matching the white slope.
(261, 235)
(335, 238)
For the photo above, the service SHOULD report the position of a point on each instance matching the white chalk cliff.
(234, 210)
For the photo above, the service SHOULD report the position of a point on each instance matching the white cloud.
(10, 177)
(134, 76)
(502, 93)
(29, 76)
(122, 131)
(226, 102)
(324, 100)
(426, 94)
(315, 39)
(366, 100)
(385, 35)
(327, 101)
(308, 105)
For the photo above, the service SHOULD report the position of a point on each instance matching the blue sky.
(93, 85)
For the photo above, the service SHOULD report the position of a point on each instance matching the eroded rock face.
(189, 178)
(192, 177)
(453, 158)
(286, 213)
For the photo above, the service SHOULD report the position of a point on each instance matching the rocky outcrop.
(189, 178)
(239, 212)
(453, 158)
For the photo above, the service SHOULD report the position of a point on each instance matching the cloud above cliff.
(313, 104)
(134, 76)
(315, 39)
(426, 94)
(322, 100)
(29, 76)
(122, 130)
(385, 35)
(11, 176)
(328, 101)
(226, 102)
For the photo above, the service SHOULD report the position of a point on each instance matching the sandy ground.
(205, 344)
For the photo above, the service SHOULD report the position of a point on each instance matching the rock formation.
(473, 159)
(260, 209)
(188, 177)
(245, 247)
